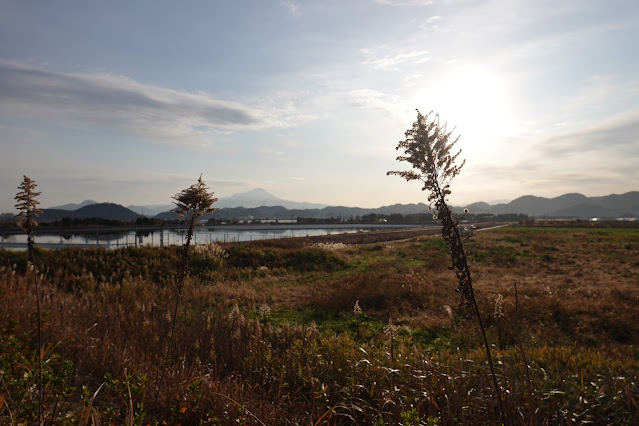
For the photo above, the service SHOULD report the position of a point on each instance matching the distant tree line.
(414, 219)
(7, 217)
(8, 220)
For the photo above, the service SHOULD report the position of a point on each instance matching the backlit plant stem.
(469, 293)
(192, 203)
(28, 207)
(427, 148)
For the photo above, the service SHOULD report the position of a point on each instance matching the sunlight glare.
(473, 101)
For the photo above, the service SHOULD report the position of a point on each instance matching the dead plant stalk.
(192, 203)
(427, 148)
(28, 206)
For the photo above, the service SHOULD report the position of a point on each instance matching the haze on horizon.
(129, 103)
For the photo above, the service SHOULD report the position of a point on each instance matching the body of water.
(103, 237)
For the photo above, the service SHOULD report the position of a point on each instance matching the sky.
(129, 102)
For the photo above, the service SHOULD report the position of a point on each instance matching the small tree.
(192, 203)
(428, 147)
(27, 205)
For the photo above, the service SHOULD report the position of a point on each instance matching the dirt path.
(388, 236)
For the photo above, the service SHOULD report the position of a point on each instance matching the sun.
(475, 102)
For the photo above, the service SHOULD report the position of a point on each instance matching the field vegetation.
(266, 332)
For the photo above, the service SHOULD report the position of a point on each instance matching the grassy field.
(266, 332)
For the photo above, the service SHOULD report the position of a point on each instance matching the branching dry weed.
(27, 206)
(428, 148)
(191, 204)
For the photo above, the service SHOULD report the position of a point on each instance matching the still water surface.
(203, 235)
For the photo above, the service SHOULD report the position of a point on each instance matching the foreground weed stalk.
(192, 203)
(28, 206)
(427, 148)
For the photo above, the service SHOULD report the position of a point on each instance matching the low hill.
(108, 211)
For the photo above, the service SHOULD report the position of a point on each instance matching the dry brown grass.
(107, 312)
(569, 281)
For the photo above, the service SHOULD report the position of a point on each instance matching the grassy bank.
(266, 332)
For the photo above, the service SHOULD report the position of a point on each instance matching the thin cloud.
(431, 23)
(270, 152)
(373, 99)
(622, 133)
(404, 2)
(392, 62)
(104, 100)
(291, 6)
(598, 90)
(413, 79)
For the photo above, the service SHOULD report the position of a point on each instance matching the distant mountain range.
(259, 197)
(74, 206)
(254, 198)
(567, 206)
(259, 204)
(280, 212)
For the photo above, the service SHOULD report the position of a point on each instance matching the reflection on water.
(157, 238)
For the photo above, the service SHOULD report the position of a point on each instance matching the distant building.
(286, 220)
(276, 221)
